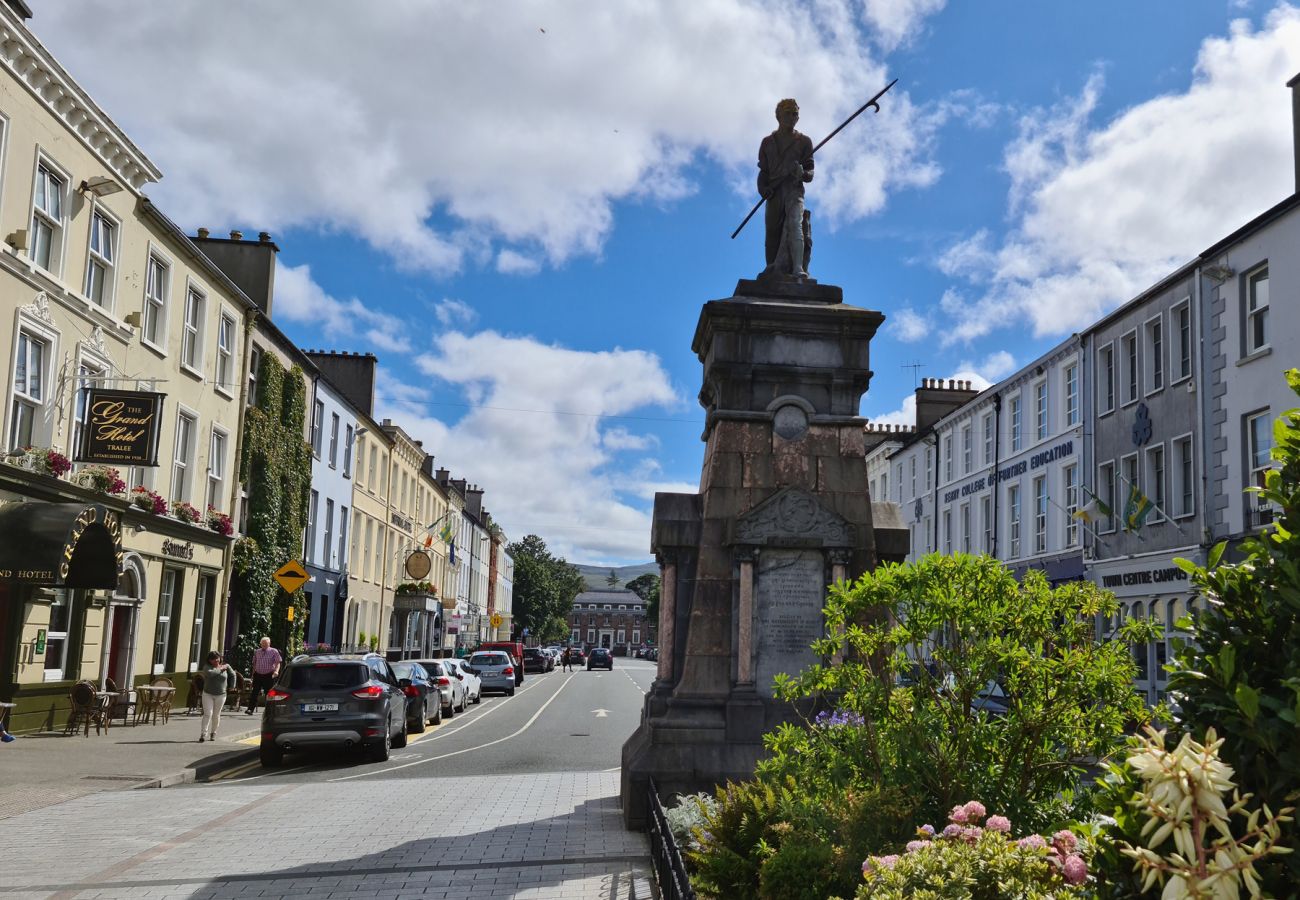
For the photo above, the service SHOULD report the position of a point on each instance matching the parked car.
(619, 650)
(576, 656)
(537, 660)
(334, 700)
(473, 684)
(495, 669)
(516, 651)
(422, 696)
(450, 682)
(600, 658)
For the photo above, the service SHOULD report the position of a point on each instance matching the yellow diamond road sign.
(496, 620)
(292, 576)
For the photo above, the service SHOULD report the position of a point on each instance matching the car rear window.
(328, 676)
(488, 659)
(405, 670)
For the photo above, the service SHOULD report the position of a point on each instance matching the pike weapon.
(868, 105)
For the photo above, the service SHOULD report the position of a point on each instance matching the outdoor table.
(155, 694)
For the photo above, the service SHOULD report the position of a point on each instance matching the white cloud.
(510, 262)
(895, 21)
(446, 134)
(1100, 212)
(298, 298)
(909, 326)
(451, 313)
(538, 438)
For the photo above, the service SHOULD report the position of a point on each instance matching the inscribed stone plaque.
(788, 600)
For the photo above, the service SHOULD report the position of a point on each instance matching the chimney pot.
(203, 232)
(236, 235)
(264, 237)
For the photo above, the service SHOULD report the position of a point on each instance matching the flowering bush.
(1181, 799)
(104, 479)
(45, 460)
(220, 522)
(967, 860)
(688, 815)
(416, 587)
(148, 500)
(186, 513)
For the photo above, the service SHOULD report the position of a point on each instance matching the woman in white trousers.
(218, 678)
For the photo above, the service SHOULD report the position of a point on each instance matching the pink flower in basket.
(59, 465)
(220, 522)
(149, 501)
(186, 513)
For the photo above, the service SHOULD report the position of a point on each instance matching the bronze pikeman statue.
(785, 165)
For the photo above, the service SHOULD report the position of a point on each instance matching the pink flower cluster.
(148, 500)
(220, 522)
(185, 512)
(58, 464)
(964, 825)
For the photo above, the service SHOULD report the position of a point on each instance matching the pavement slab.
(532, 836)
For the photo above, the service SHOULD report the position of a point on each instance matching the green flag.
(1094, 510)
(1137, 509)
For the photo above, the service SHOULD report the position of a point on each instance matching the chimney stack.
(1294, 85)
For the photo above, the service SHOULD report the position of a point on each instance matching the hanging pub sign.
(121, 427)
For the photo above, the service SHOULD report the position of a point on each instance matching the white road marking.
(601, 713)
(429, 759)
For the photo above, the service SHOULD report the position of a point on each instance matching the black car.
(335, 700)
(535, 660)
(600, 658)
(418, 686)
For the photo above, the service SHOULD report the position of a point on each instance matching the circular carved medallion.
(790, 422)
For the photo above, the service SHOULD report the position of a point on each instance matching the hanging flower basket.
(186, 513)
(104, 479)
(45, 460)
(148, 500)
(219, 522)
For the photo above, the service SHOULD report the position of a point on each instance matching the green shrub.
(1240, 671)
(783, 842)
(930, 731)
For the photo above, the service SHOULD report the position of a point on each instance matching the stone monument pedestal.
(782, 512)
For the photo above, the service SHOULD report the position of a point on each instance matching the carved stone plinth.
(782, 511)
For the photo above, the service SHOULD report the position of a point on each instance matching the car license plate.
(320, 707)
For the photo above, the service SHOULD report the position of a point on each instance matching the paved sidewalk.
(522, 837)
(41, 769)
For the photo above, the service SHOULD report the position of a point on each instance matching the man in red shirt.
(266, 668)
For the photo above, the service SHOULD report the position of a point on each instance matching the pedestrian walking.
(218, 679)
(566, 662)
(266, 668)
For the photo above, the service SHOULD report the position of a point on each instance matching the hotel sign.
(121, 427)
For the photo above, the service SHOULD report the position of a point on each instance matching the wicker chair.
(163, 699)
(122, 705)
(88, 707)
(195, 703)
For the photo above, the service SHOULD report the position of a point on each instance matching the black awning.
(70, 545)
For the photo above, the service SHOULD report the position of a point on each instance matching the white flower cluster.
(1182, 797)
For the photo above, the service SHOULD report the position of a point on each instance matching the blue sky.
(520, 205)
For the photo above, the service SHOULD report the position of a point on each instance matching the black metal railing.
(670, 872)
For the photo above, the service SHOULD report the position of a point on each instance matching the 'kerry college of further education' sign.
(121, 427)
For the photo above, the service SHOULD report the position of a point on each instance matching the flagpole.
(1154, 505)
(1070, 515)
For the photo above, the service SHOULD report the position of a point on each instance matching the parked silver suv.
(334, 700)
(495, 669)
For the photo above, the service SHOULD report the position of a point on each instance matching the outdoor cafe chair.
(88, 706)
(120, 705)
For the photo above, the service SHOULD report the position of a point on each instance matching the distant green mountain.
(598, 576)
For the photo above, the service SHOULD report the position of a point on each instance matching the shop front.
(1149, 586)
(59, 564)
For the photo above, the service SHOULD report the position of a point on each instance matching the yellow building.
(103, 293)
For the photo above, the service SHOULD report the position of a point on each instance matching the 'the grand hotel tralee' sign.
(121, 427)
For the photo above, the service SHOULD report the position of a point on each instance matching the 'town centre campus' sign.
(121, 427)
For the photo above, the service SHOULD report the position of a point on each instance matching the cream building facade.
(102, 291)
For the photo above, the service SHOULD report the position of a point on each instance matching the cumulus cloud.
(298, 298)
(537, 432)
(446, 135)
(1101, 211)
(909, 326)
(450, 313)
(981, 375)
